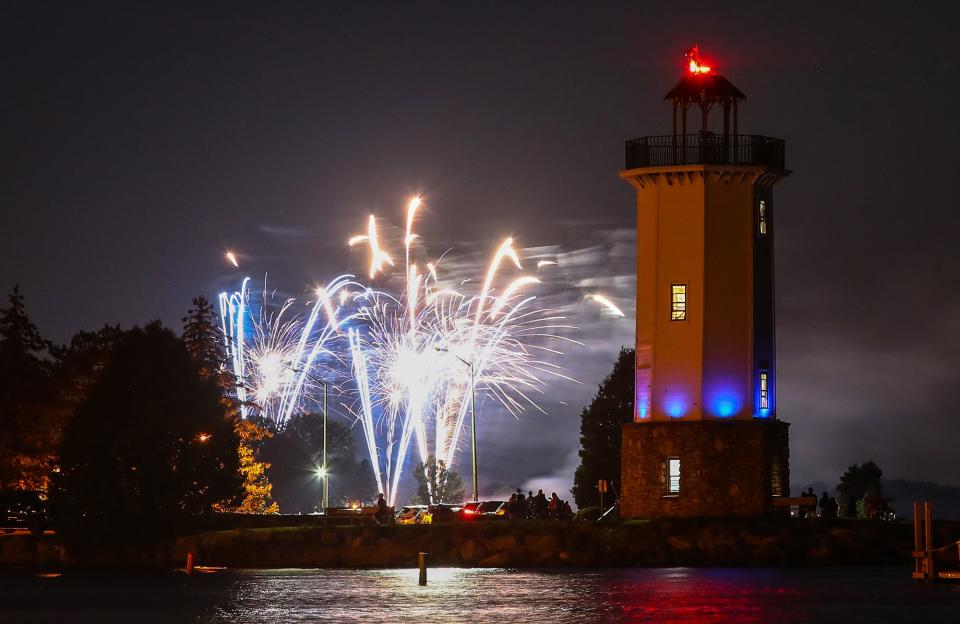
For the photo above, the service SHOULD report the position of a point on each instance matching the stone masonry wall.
(727, 468)
(521, 544)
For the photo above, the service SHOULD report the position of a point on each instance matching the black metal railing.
(705, 149)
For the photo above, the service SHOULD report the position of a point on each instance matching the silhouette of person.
(824, 506)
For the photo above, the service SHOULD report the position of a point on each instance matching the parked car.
(493, 510)
(468, 512)
(440, 513)
(408, 514)
(22, 510)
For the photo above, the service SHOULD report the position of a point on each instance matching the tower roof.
(701, 84)
(704, 86)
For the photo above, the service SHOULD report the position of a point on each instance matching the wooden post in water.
(917, 542)
(923, 568)
(422, 564)
(189, 566)
(928, 538)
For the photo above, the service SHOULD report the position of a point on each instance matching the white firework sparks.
(273, 350)
(417, 357)
(421, 357)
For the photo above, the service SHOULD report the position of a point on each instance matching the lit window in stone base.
(673, 475)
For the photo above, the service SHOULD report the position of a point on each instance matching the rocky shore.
(514, 544)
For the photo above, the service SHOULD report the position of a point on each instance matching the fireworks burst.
(273, 350)
(610, 306)
(417, 355)
(421, 357)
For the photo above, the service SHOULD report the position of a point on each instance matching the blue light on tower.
(724, 407)
(722, 400)
(675, 407)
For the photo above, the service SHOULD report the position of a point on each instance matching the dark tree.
(436, 484)
(600, 426)
(30, 421)
(855, 484)
(203, 337)
(295, 454)
(149, 446)
(79, 363)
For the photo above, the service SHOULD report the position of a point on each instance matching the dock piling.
(923, 568)
(422, 564)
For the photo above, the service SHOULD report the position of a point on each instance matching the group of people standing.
(826, 507)
(537, 506)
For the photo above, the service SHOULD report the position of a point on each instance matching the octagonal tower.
(705, 439)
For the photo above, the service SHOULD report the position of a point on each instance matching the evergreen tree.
(855, 484)
(149, 446)
(600, 432)
(79, 362)
(20, 341)
(436, 484)
(203, 337)
(30, 422)
(257, 498)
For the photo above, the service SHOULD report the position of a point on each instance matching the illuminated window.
(673, 475)
(678, 302)
(764, 390)
(763, 218)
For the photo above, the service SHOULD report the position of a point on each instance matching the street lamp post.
(473, 428)
(323, 467)
(326, 477)
(473, 423)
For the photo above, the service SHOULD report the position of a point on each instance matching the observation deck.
(706, 149)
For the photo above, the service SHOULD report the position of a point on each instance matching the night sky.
(141, 140)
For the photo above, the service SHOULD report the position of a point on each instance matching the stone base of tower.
(727, 468)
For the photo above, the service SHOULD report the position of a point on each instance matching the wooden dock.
(924, 554)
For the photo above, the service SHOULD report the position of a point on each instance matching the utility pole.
(323, 467)
(473, 431)
(473, 422)
(326, 477)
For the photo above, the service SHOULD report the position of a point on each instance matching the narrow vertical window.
(673, 475)
(764, 390)
(678, 302)
(763, 218)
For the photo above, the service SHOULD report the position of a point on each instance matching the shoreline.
(525, 544)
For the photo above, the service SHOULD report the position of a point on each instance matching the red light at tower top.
(696, 66)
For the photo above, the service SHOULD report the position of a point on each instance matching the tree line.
(131, 431)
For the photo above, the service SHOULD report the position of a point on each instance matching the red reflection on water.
(679, 595)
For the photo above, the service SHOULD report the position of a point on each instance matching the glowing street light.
(322, 472)
(203, 437)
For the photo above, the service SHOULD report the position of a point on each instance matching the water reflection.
(457, 595)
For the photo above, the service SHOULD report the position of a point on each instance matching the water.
(455, 595)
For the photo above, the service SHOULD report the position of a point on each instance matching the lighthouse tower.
(705, 440)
